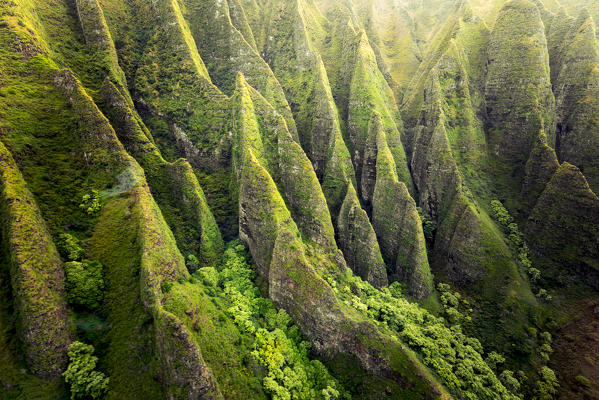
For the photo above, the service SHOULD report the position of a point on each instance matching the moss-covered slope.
(396, 220)
(576, 90)
(566, 209)
(340, 140)
(518, 92)
(36, 276)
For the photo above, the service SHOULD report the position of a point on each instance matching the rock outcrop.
(357, 240)
(540, 167)
(576, 89)
(562, 229)
(518, 92)
(396, 221)
(36, 275)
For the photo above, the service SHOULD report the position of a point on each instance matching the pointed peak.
(240, 81)
(583, 16)
(569, 180)
(566, 168)
(585, 24)
(466, 11)
(351, 192)
(561, 13)
(376, 132)
(521, 5)
(573, 175)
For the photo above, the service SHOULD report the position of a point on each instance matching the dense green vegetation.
(265, 336)
(441, 344)
(518, 242)
(407, 190)
(81, 375)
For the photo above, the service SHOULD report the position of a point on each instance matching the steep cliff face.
(566, 208)
(370, 92)
(518, 92)
(576, 89)
(230, 48)
(36, 274)
(357, 240)
(157, 260)
(540, 167)
(396, 221)
(357, 148)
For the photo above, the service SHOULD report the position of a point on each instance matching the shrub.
(545, 337)
(428, 225)
(192, 263)
(455, 310)
(84, 283)
(69, 248)
(494, 359)
(534, 274)
(455, 357)
(277, 343)
(209, 276)
(81, 376)
(509, 381)
(90, 203)
(583, 381)
(517, 239)
(396, 289)
(501, 214)
(547, 384)
(543, 294)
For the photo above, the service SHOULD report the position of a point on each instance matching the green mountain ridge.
(299, 199)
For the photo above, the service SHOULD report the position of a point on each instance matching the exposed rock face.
(566, 209)
(171, 68)
(297, 285)
(261, 129)
(287, 112)
(154, 255)
(576, 89)
(228, 47)
(518, 90)
(467, 248)
(397, 223)
(358, 241)
(370, 92)
(36, 275)
(433, 166)
(291, 32)
(174, 185)
(368, 180)
(540, 167)
(257, 191)
(557, 32)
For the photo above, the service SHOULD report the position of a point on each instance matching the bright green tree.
(81, 374)
(84, 283)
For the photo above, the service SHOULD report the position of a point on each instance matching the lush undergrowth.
(456, 358)
(253, 350)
